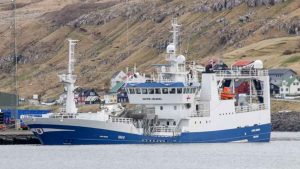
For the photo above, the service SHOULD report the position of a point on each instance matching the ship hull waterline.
(78, 135)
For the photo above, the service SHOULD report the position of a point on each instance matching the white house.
(117, 77)
(290, 87)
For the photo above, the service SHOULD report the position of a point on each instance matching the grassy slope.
(100, 46)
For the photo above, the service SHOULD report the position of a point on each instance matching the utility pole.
(15, 56)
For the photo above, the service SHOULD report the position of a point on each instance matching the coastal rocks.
(71, 12)
(229, 36)
(294, 26)
(286, 121)
(220, 5)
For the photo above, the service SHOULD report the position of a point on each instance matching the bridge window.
(144, 91)
(185, 90)
(194, 90)
(151, 91)
(172, 91)
(188, 90)
(174, 123)
(138, 91)
(165, 90)
(161, 107)
(131, 91)
(157, 91)
(179, 90)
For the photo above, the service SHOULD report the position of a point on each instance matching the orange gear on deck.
(226, 94)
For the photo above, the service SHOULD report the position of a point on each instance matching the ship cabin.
(161, 93)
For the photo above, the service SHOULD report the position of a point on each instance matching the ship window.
(172, 91)
(175, 107)
(165, 90)
(185, 90)
(194, 90)
(144, 91)
(179, 90)
(168, 123)
(174, 123)
(131, 91)
(157, 91)
(138, 91)
(151, 91)
(161, 107)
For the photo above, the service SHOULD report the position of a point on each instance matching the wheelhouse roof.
(155, 84)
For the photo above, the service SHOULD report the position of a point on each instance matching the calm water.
(282, 153)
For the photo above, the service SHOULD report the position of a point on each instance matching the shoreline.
(281, 122)
(285, 121)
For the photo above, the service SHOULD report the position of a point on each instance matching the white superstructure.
(180, 104)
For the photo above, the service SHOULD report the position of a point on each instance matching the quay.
(17, 137)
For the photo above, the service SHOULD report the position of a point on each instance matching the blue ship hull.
(74, 135)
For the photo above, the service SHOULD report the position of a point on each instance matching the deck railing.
(165, 129)
(254, 107)
(121, 120)
(242, 73)
(54, 116)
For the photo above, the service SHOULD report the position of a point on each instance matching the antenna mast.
(175, 32)
(69, 79)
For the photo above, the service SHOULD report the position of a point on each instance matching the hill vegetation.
(116, 34)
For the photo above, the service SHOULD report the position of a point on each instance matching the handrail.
(55, 116)
(164, 129)
(121, 120)
(254, 107)
(241, 73)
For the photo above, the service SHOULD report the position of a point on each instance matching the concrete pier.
(17, 137)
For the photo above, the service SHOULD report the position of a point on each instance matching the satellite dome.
(258, 64)
(180, 59)
(171, 48)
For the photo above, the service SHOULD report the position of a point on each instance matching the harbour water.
(283, 152)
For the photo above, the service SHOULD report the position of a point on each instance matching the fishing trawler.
(180, 104)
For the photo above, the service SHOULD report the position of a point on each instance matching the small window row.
(226, 114)
(155, 141)
(203, 122)
(186, 90)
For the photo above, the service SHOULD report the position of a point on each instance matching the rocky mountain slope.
(115, 34)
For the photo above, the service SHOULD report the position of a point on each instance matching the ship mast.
(175, 33)
(172, 47)
(69, 79)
